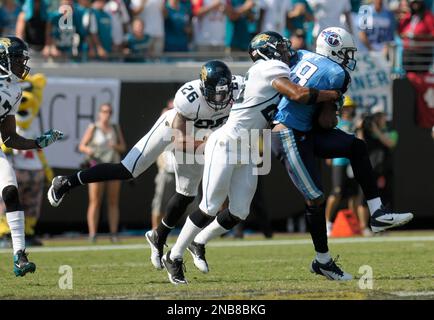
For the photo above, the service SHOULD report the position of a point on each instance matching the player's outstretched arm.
(304, 95)
(184, 138)
(13, 140)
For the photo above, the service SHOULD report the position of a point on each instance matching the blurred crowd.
(140, 30)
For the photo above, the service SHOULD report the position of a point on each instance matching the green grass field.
(252, 268)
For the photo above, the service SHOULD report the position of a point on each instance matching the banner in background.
(423, 83)
(371, 84)
(70, 105)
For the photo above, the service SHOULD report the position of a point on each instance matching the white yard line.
(234, 243)
(412, 293)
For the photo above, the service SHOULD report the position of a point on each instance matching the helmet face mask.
(13, 57)
(216, 84)
(19, 65)
(347, 57)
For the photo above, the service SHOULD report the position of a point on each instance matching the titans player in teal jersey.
(296, 142)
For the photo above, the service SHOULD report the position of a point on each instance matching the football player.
(205, 102)
(13, 67)
(264, 84)
(296, 142)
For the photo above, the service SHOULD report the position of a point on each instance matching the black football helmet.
(216, 84)
(14, 56)
(270, 45)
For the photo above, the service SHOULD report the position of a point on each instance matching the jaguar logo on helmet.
(203, 73)
(261, 37)
(5, 42)
(332, 38)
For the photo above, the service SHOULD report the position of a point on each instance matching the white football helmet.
(338, 45)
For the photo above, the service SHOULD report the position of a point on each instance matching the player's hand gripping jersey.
(314, 71)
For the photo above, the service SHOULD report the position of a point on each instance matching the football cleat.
(197, 251)
(156, 249)
(56, 193)
(22, 265)
(330, 270)
(175, 269)
(383, 219)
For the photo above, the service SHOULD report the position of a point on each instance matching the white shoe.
(382, 219)
(330, 270)
(197, 251)
(156, 249)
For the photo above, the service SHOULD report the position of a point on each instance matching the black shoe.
(197, 251)
(175, 269)
(383, 219)
(330, 270)
(156, 248)
(59, 187)
(22, 265)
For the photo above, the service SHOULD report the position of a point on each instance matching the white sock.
(323, 258)
(16, 224)
(213, 230)
(374, 205)
(188, 232)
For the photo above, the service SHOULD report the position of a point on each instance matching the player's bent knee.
(227, 220)
(200, 218)
(11, 199)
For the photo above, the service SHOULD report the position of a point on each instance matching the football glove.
(48, 138)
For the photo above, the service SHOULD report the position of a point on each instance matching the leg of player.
(241, 192)
(188, 177)
(138, 159)
(295, 150)
(157, 238)
(336, 143)
(14, 217)
(215, 184)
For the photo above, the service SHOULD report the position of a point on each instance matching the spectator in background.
(331, 14)
(300, 18)
(103, 142)
(151, 13)
(137, 42)
(9, 11)
(34, 27)
(165, 185)
(344, 185)
(237, 27)
(298, 39)
(417, 28)
(119, 23)
(178, 16)
(273, 15)
(375, 37)
(63, 39)
(101, 34)
(86, 25)
(209, 25)
(380, 141)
